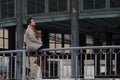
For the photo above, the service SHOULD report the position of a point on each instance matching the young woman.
(33, 42)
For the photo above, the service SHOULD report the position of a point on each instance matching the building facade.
(98, 22)
(97, 19)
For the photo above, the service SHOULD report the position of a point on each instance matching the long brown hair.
(37, 34)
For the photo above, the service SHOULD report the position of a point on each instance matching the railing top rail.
(71, 48)
(11, 51)
(78, 48)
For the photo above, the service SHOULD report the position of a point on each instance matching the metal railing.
(63, 63)
(8, 64)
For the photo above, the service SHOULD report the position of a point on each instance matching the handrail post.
(24, 67)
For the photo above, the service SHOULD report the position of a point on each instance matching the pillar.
(20, 35)
(74, 36)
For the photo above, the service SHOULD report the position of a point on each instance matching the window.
(35, 6)
(1, 43)
(7, 8)
(55, 40)
(89, 40)
(93, 4)
(88, 4)
(67, 41)
(99, 4)
(114, 3)
(4, 38)
(57, 5)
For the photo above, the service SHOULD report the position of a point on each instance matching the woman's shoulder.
(29, 28)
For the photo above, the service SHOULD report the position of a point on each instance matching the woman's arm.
(31, 34)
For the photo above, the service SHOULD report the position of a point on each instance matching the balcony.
(93, 62)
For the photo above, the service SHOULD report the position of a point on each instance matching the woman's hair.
(37, 34)
(29, 20)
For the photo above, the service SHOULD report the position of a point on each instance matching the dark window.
(40, 6)
(35, 6)
(7, 8)
(88, 4)
(31, 6)
(62, 5)
(93, 4)
(99, 4)
(57, 5)
(114, 3)
(53, 5)
(10, 9)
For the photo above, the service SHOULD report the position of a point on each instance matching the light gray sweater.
(32, 43)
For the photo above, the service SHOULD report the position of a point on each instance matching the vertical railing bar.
(7, 71)
(71, 61)
(105, 63)
(28, 65)
(54, 64)
(46, 62)
(85, 63)
(44, 68)
(81, 63)
(40, 58)
(100, 59)
(62, 63)
(115, 64)
(67, 65)
(15, 68)
(95, 64)
(2, 61)
(4, 65)
(62, 75)
(24, 66)
(49, 67)
(110, 61)
(58, 66)
(76, 65)
(91, 63)
(11, 65)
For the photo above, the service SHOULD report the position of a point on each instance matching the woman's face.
(32, 22)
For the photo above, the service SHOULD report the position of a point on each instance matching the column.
(20, 35)
(74, 36)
